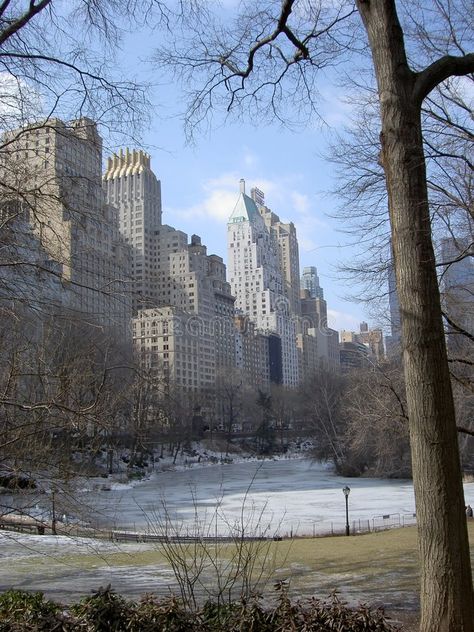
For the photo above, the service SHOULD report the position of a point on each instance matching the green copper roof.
(245, 210)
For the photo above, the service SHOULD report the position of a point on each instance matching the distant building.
(170, 342)
(58, 165)
(173, 280)
(310, 281)
(329, 346)
(353, 355)
(457, 283)
(308, 353)
(314, 310)
(352, 342)
(133, 188)
(252, 353)
(374, 340)
(256, 278)
(318, 343)
(284, 234)
(393, 341)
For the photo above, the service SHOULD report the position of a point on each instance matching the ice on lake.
(290, 495)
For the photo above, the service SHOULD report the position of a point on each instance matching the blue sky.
(200, 183)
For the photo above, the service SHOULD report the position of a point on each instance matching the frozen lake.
(290, 495)
(282, 496)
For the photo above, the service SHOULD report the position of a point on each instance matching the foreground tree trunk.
(447, 602)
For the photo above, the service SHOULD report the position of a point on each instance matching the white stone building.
(255, 274)
(173, 280)
(57, 168)
(133, 188)
(284, 235)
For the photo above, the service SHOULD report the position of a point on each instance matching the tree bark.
(447, 603)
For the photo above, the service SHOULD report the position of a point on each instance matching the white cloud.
(300, 201)
(217, 204)
(250, 159)
(283, 195)
(19, 102)
(219, 196)
(343, 320)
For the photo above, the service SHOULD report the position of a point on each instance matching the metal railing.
(285, 531)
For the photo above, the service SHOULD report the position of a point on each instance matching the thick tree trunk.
(447, 602)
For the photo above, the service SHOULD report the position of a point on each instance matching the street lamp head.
(346, 491)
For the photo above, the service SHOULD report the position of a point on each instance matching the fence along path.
(28, 524)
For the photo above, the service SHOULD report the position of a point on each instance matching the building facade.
(371, 339)
(393, 340)
(59, 165)
(175, 281)
(310, 281)
(284, 236)
(256, 279)
(457, 285)
(132, 187)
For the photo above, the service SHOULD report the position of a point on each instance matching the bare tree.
(59, 368)
(322, 396)
(229, 399)
(285, 408)
(377, 437)
(246, 65)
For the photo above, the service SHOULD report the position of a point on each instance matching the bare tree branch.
(440, 70)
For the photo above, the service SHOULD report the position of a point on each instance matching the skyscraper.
(310, 281)
(457, 282)
(184, 309)
(59, 165)
(284, 235)
(256, 279)
(133, 188)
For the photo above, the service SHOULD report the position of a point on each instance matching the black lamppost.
(346, 491)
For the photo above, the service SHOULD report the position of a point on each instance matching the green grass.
(376, 568)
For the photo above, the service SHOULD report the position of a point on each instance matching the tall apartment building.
(133, 188)
(256, 280)
(175, 281)
(314, 310)
(308, 353)
(252, 350)
(310, 281)
(59, 166)
(170, 342)
(457, 284)
(284, 235)
(329, 348)
(314, 323)
(189, 336)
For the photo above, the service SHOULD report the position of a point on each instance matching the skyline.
(200, 181)
(211, 190)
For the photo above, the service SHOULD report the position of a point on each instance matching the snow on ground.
(280, 496)
(283, 496)
(290, 495)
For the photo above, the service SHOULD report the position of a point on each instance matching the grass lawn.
(379, 568)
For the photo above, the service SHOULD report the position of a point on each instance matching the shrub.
(104, 611)
(167, 615)
(21, 610)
